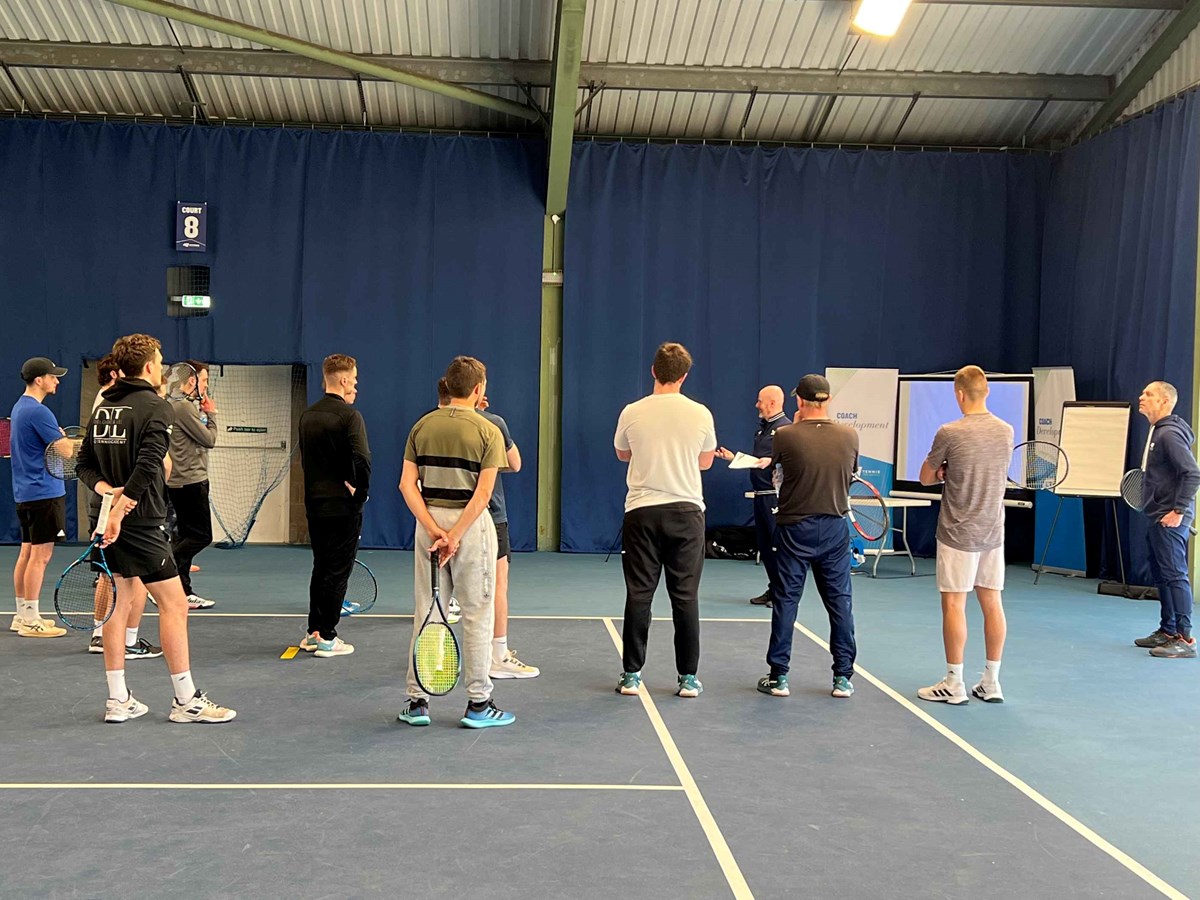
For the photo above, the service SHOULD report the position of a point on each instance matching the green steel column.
(568, 52)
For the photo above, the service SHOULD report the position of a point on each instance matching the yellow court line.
(733, 874)
(382, 786)
(1041, 800)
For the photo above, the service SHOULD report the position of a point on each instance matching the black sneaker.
(1157, 639)
(143, 649)
(96, 645)
(763, 599)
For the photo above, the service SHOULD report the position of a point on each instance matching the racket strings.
(869, 512)
(83, 597)
(1041, 471)
(436, 658)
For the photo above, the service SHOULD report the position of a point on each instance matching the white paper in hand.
(743, 461)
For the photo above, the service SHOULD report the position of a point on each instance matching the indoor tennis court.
(282, 282)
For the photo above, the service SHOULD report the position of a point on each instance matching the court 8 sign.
(191, 226)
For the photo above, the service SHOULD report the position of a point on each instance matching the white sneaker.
(988, 693)
(512, 667)
(39, 628)
(116, 711)
(200, 709)
(945, 692)
(453, 612)
(195, 602)
(336, 647)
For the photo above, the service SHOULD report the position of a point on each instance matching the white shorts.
(960, 572)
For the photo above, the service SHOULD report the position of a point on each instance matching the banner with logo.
(1066, 553)
(865, 399)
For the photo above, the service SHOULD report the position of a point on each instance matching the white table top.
(890, 502)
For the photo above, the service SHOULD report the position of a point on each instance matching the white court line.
(733, 874)
(278, 786)
(549, 618)
(1041, 800)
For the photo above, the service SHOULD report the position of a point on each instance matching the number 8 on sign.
(191, 227)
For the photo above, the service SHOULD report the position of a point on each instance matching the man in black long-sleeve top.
(337, 477)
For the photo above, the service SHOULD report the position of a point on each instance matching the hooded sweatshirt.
(1172, 476)
(124, 444)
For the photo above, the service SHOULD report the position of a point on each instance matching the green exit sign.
(195, 301)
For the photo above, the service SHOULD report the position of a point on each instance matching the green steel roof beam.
(328, 55)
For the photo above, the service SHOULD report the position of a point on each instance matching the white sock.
(954, 673)
(185, 690)
(116, 685)
(19, 603)
(991, 671)
(98, 630)
(130, 636)
(499, 648)
(28, 610)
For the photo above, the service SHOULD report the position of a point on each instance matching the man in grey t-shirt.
(970, 457)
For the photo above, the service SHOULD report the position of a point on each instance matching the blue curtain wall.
(1119, 276)
(399, 250)
(768, 264)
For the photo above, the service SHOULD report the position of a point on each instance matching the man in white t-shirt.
(667, 440)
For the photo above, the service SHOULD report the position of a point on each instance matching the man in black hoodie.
(337, 476)
(1169, 494)
(122, 453)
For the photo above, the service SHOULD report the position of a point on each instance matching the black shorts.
(503, 547)
(43, 521)
(142, 551)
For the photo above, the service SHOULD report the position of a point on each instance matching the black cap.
(39, 366)
(813, 388)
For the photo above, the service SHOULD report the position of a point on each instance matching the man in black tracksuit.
(1172, 478)
(122, 453)
(337, 477)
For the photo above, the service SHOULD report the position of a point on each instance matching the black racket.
(5, 437)
(62, 465)
(868, 513)
(361, 590)
(1133, 485)
(85, 594)
(436, 660)
(1038, 466)
(178, 378)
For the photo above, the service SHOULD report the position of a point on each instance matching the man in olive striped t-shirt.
(450, 464)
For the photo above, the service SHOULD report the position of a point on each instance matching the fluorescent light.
(880, 17)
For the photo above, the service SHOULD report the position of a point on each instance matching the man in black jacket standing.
(337, 477)
(122, 453)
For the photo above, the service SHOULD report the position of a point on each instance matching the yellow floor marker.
(289, 653)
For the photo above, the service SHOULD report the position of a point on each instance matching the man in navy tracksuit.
(1172, 478)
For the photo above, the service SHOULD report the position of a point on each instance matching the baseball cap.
(39, 366)
(813, 388)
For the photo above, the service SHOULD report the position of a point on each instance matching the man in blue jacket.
(1172, 478)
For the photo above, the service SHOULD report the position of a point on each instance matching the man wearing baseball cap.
(817, 458)
(40, 498)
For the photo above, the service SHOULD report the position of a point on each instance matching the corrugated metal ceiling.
(793, 34)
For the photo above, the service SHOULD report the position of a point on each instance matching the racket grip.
(433, 571)
(105, 510)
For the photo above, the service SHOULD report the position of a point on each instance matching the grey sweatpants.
(470, 576)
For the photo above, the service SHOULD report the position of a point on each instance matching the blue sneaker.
(486, 715)
(689, 686)
(349, 607)
(629, 683)
(775, 685)
(310, 642)
(416, 713)
(842, 686)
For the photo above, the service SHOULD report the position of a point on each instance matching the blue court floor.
(1082, 784)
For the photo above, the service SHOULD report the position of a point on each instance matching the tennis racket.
(5, 437)
(85, 594)
(868, 513)
(436, 660)
(62, 465)
(1133, 485)
(178, 377)
(1038, 466)
(361, 590)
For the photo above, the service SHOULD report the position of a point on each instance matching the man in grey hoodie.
(192, 436)
(1169, 492)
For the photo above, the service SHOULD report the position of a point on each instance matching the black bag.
(730, 542)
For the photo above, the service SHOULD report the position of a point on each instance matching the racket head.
(1133, 485)
(1038, 466)
(362, 590)
(60, 466)
(177, 380)
(868, 513)
(436, 660)
(5, 437)
(85, 595)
